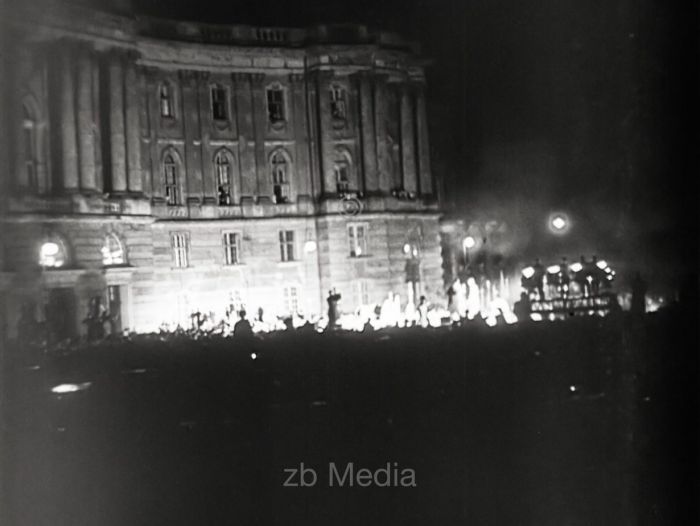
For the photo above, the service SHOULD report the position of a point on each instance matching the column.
(86, 121)
(210, 187)
(425, 173)
(246, 135)
(381, 111)
(301, 181)
(69, 146)
(408, 159)
(117, 142)
(133, 128)
(367, 134)
(314, 138)
(264, 181)
(326, 145)
(192, 169)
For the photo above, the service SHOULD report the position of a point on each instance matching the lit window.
(172, 189)
(52, 254)
(30, 149)
(357, 238)
(180, 246)
(165, 93)
(218, 103)
(286, 245)
(338, 111)
(232, 248)
(275, 105)
(222, 166)
(112, 251)
(280, 182)
(291, 299)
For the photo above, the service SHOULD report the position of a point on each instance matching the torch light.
(576, 267)
(528, 272)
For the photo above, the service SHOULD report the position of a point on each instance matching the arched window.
(29, 142)
(165, 93)
(280, 176)
(113, 251)
(222, 168)
(172, 186)
(53, 253)
(342, 165)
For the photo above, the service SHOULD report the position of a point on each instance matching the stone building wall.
(89, 152)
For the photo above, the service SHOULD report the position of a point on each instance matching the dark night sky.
(584, 106)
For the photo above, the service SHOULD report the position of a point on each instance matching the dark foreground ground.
(583, 422)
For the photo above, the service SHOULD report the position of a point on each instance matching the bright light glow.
(310, 246)
(576, 267)
(558, 223)
(112, 251)
(51, 255)
(602, 264)
(572, 388)
(554, 269)
(528, 272)
(536, 316)
(406, 248)
(70, 388)
(469, 242)
(253, 356)
(49, 249)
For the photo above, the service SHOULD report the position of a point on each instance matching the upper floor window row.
(219, 102)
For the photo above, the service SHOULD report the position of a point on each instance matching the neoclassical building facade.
(177, 167)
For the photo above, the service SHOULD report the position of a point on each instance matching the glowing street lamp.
(559, 223)
(468, 243)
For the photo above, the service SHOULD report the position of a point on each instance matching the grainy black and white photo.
(349, 262)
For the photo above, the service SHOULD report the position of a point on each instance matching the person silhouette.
(242, 328)
(538, 278)
(639, 291)
(332, 300)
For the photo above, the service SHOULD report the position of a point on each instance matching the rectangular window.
(180, 245)
(341, 178)
(357, 238)
(291, 299)
(275, 105)
(338, 103)
(287, 245)
(218, 103)
(166, 101)
(232, 248)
